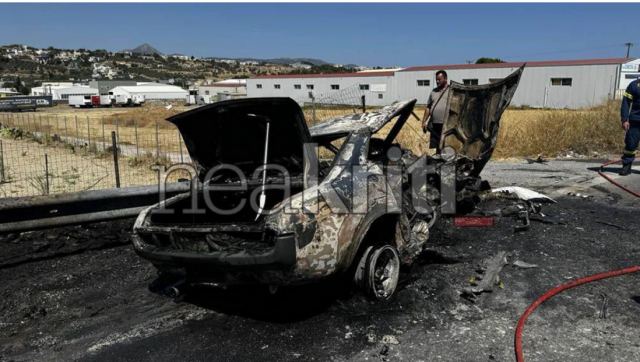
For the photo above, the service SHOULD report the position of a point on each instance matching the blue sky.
(366, 34)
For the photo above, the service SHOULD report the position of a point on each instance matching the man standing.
(435, 113)
(630, 115)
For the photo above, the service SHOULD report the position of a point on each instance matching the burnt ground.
(82, 293)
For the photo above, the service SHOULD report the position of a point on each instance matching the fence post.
(135, 130)
(364, 105)
(46, 171)
(313, 109)
(114, 146)
(157, 143)
(66, 130)
(1, 163)
(180, 147)
(88, 134)
(104, 145)
(77, 131)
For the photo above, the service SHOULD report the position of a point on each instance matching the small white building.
(62, 90)
(8, 92)
(47, 88)
(225, 89)
(152, 91)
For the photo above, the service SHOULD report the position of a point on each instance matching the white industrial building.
(151, 91)
(548, 84)
(230, 88)
(377, 87)
(61, 91)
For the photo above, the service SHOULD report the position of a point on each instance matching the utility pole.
(628, 45)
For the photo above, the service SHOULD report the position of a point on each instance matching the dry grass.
(547, 132)
(146, 116)
(554, 132)
(77, 164)
(523, 132)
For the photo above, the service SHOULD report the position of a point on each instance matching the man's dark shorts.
(434, 135)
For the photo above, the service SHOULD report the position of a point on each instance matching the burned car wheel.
(378, 272)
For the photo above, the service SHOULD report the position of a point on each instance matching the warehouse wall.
(381, 88)
(590, 85)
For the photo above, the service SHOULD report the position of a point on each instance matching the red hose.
(574, 283)
(634, 193)
(557, 290)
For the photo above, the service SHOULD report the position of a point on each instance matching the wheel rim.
(385, 269)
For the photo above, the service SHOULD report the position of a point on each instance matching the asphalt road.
(81, 293)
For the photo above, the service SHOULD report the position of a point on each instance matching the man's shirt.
(438, 113)
(630, 108)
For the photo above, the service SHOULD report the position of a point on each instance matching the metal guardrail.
(39, 212)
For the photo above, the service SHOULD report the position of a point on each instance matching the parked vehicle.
(81, 101)
(127, 100)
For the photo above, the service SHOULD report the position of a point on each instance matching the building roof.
(237, 85)
(388, 73)
(75, 89)
(327, 75)
(159, 88)
(545, 63)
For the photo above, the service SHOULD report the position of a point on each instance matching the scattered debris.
(390, 339)
(488, 276)
(538, 159)
(604, 307)
(524, 194)
(577, 194)
(612, 225)
(523, 265)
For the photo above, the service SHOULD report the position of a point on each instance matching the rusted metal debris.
(488, 276)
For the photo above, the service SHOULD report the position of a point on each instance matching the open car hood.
(473, 118)
(233, 132)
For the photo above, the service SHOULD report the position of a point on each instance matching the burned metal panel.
(373, 121)
(473, 118)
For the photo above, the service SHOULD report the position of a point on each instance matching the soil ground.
(82, 293)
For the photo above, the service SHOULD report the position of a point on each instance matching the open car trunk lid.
(473, 118)
(233, 132)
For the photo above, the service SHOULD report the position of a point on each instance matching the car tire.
(379, 272)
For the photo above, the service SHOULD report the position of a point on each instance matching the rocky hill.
(145, 63)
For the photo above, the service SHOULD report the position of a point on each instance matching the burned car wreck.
(340, 198)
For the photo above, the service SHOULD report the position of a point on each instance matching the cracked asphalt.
(81, 293)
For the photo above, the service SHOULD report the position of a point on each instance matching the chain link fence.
(45, 154)
(325, 106)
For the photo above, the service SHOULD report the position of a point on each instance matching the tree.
(485, 60)
(19, 86)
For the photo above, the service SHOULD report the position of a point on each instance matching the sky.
(363, 34)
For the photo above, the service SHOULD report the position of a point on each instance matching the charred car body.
(362, 212)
